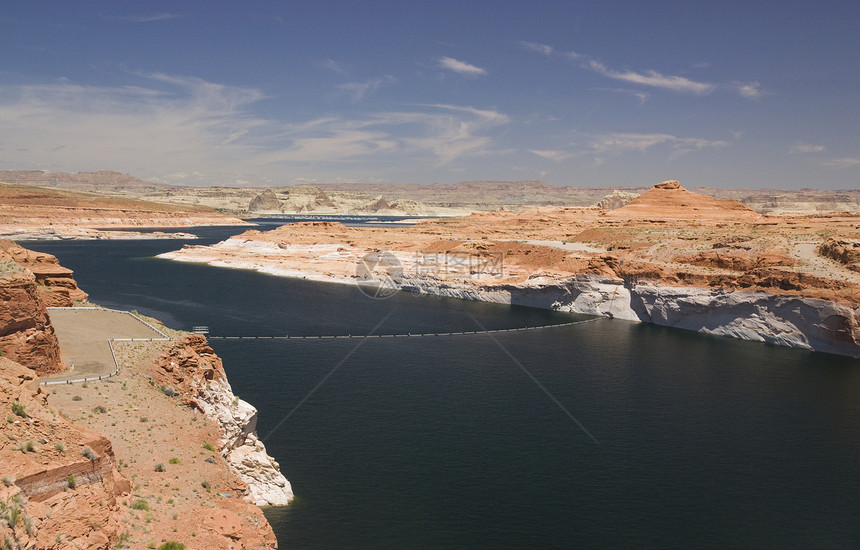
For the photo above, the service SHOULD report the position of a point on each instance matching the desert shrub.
(19, 409)
(175, 460)
(100, 409)
(159, 467)
(72, 481)
(88, 453)
(60, 446)
(208, 446)
(170, 545)
(139, 504)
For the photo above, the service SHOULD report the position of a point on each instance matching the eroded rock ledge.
(191, 368)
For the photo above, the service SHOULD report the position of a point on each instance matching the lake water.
(474, 441)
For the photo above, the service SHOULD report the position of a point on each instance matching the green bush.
(172, 546)
(175, 460)
(72, 481)
(19, 409)
(139, 504)
(208, 447)
(159, 467)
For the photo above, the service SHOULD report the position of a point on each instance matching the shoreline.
(794, 321)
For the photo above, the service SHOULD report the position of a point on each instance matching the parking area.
(83, 334)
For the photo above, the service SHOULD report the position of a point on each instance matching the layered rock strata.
(59, 477)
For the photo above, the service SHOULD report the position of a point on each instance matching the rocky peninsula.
(670, 256)
(161, 452)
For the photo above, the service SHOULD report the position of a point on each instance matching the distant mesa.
(265, 201)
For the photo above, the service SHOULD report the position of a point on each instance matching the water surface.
(423, 443)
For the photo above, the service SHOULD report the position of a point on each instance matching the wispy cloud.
(460, 67)
(445, 133)
(603, 146)
(655, 79)
(361, 89)
(749, 90)
(547, 50)
(186, 130)
(641, 96)
(163, 16)
(555, 154)
(617, 143)
(805, 148)
(535, 47)
(842, 162)
(333, 65)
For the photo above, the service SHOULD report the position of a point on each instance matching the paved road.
(83, 335)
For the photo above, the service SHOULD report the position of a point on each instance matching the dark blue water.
(455, 443)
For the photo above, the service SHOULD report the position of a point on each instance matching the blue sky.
(720, 93)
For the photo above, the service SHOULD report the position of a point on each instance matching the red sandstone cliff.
(60, 478)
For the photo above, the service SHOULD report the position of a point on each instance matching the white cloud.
(843, 162)
(750, 90)
(805, 148)
(535, 47)
(460, 67)
(655, 79)
(360, 89)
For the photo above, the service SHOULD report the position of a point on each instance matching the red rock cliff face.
(30, 282)
(26, 333)
(61, 478)
(56, 283)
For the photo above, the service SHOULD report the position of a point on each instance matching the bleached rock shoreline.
(785, 320)
(246, 455)
(203, 385)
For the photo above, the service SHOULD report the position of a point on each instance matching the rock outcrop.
(192, 369)
(616, 199)
(26, 333)
(56, 284)
(668, 200)
(266, 201)
(844, 251)
(59, 477)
